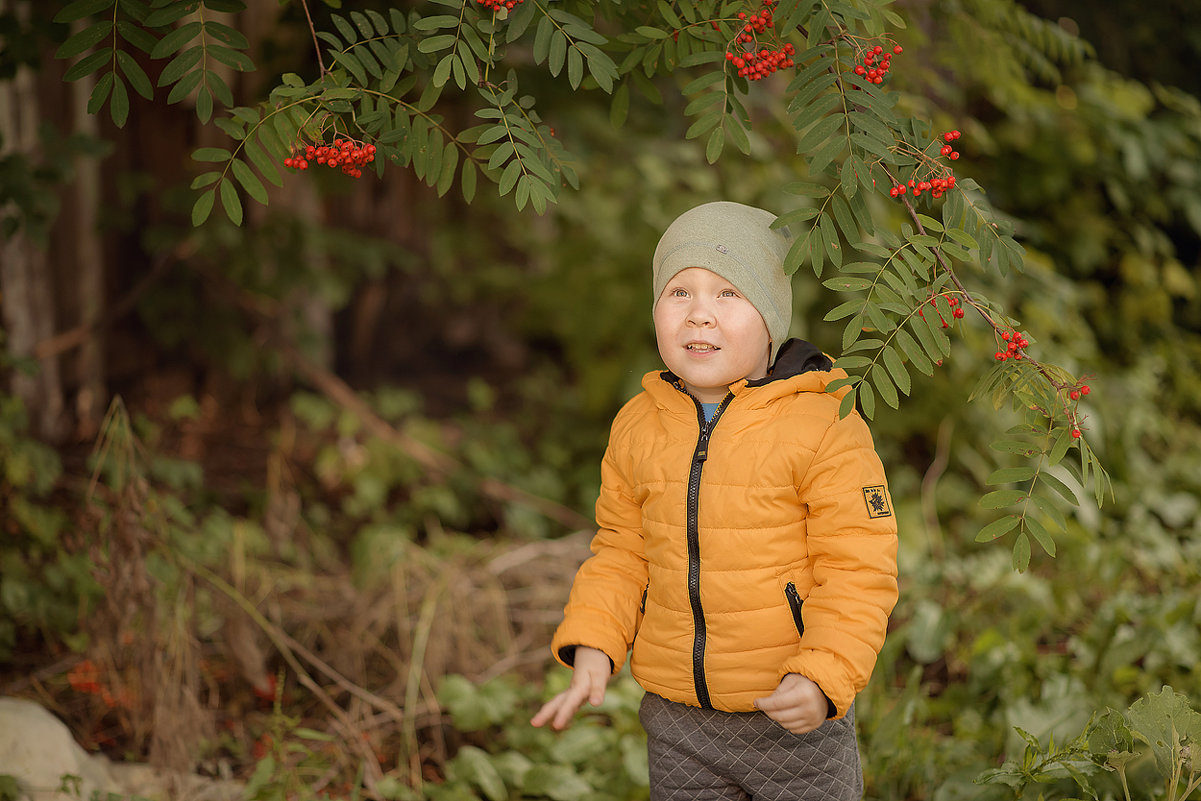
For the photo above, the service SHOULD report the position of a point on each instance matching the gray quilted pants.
(706, 755)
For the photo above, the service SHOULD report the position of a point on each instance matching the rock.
(38, 750)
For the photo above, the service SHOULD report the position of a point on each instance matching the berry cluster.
(755, 23)
(757, 66)
(749, 56)
(1012, 350)
(876, 62)
(497, 5)
(938, 179)
(947, 150)
(936, 187)
(351, 156)
(956, 310)
(1075, 393)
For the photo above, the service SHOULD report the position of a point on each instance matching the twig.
(313, 30)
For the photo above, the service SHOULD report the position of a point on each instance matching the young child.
(746, 549)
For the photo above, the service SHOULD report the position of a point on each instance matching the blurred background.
(312, 489)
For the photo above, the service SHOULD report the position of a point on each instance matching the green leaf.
(830, 239)
(227, 35)
(867, 400)
(249, 181)
(210, 154)
(884, 386)
(118, 104)
(82, 8)
(202, 207)
(1062, 443)
(1021, 553)
(172, 12)
(467, 180)
(542, 39)
(999, 499)
(354, 67)
(231, 202)
(847, 283)
(450, 160)
(508, 178)
(1062, 489)
(914, 352)
(100, 92)
(215, 84)
(436, 22)
(185, 85)
(344, 28)
(86, 39)
(1009, 475)
(714, 146)
(896, 369)
(848, 403)
(88, 64)
(474, 765)
(997, 528)
(819, 133)
(234, 59)
(703, 124)
(435, 43)
(558, 52)
(575, 68)
(179, 65)
(205, 179)
(442, 71)
(826, 154)
(1040, 534)
(175, 40)
(135, 74)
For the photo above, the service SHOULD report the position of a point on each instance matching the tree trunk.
(26, 297)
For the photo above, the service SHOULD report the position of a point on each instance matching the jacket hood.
(800, 366)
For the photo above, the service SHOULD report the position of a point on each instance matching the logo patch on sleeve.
(877, 501)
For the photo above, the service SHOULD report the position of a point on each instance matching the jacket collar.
(800, 366)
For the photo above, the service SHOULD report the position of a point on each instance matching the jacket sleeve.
(604, 608)
(852, 540)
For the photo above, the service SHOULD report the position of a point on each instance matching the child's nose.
(699, 313)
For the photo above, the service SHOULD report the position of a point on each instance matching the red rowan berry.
(898, 50)
(1084, 390)
(1075, 433)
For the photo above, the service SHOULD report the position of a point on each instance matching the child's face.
(709, 334)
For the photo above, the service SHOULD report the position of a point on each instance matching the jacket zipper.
(795, 602)
(694, 548)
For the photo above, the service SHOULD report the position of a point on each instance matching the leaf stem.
(313, 30)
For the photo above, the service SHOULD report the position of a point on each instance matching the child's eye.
(729, 293)
(679, 292)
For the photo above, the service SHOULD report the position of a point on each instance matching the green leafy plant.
(1161, 727)
(602, 755)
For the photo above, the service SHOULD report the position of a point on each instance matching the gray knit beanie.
(737, 243)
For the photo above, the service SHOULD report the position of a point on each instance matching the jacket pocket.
(795, 603)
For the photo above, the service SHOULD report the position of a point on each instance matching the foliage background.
(252, 477)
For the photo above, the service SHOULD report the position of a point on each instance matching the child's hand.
(589, 677)
(798, 704)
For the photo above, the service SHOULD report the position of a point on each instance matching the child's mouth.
(701, 347)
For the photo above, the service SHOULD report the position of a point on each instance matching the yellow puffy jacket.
(733, 553)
